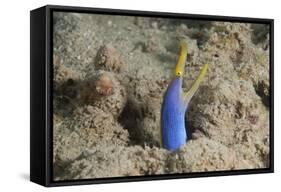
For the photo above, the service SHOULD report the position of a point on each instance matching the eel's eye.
(178, 73)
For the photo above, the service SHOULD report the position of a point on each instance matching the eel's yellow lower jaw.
(196, 83)
(181, 60)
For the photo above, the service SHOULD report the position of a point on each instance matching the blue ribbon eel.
(175, 104)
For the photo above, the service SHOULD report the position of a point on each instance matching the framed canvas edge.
(38, 120)
(49, 181)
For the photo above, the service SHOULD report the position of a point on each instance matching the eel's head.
(179, 70)
(179, 73)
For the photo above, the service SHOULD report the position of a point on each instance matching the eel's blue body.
(175, 104)
(173, 117)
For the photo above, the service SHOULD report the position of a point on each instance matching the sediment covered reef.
(110, 74)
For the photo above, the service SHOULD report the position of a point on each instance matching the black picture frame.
(41, 97)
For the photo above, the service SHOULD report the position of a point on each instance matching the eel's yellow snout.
(181, 60)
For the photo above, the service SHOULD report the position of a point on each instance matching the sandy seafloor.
(110, 74)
